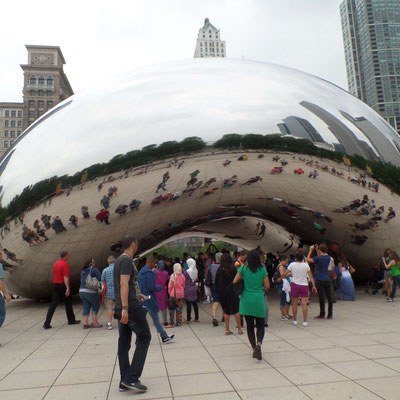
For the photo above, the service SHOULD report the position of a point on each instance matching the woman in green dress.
(252, 304)
(393, 266)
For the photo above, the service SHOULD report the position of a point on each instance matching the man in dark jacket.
(147, 286)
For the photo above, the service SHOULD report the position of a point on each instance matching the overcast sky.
(103, 38)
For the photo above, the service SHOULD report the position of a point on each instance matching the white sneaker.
(294, 322)
(305, 323)
(109, 326)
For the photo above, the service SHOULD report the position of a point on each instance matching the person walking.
(214, 290)
(227, 297)
(107, 277)
(162, 295)
(147, 285)
(299, 271)
(61, 291)
(131, 318)
(322, 280)
(252, 303)
(4, 295)
(190, 291)
(393, 265)
(89, 296)
(176, 291)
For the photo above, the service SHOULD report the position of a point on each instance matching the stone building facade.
(209, 43)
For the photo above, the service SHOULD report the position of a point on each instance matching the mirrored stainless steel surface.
(204, 98)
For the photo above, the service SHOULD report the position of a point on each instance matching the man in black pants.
(322, 280)
(61, 291)
(132, 318)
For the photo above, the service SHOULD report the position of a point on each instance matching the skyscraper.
(371, 37)
(209, 43)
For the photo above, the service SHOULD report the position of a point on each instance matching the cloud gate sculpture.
(254, 201)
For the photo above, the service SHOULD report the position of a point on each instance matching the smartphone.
(147, 297)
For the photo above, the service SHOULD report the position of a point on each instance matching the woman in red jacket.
(176, 290)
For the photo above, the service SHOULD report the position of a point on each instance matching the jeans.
(324, 288)
(90, 301)
(396, 282)
(259, 323)
(2, 310)
(156, 321)
(57, 296)
(131, 372)
(189, 310)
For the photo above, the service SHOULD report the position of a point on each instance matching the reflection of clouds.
(206, 98)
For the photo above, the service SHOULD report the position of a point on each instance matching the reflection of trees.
(31, 195)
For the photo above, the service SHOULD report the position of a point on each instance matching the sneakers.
(47, 326)
(109, 326)
(215, 322)
(77, 321)
(167, 339)
(122, 388)
(137, 386)
(257, 353)
(389, 299)
(320, 317)
(289, 317)
(206, 302)
(284, 318)
(305, 323)
(294, 322)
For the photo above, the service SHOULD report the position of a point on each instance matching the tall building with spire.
(371, 37)
(209, 43)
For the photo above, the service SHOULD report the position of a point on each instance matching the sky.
(100, 39)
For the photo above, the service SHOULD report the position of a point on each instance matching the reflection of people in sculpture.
(359, 240)
(253, 180)
(73, 219)
(161, 186)
(262, 230)
(156, 200)
(276, 159)
(57, 225)
(134, 204)
(121, 209)
(105, 202)
(39, 230)
(46, 221)
(116, 247)
(103, 216)
(228, 182)
(194, 174)
(191, 182)
(226, 162)
(209, 191)
(165, 177)
(85, 212)
(180, 163)
(209, 182)
(12, 256)
(391, 215)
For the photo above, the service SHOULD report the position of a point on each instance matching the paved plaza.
(354, 356)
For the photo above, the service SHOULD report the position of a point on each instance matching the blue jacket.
(147, 286)
(84, 274)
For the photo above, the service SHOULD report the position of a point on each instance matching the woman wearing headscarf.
(191, 296)
(176, 290)
(229, 301)
(162, 296)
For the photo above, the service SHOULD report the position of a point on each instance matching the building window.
(18, 133)
(19, 114)
(13, 124)
(12, 133)
(31, 114)
(32, 80)
(5, 143)
(40, 113)
(40, 93)
(48, 93)
(31, 104)
(7, 113)
(40, 103)
(50, 81)
(13, 113)
(6, 123)
(11, 142)
(5, 133)
(41, 80)
(49, 104)
(19, 124)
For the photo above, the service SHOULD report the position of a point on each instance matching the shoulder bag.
(239, 286)
(91, 281)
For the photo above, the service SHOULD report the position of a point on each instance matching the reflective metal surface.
(204, 98)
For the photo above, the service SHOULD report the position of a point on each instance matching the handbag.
(172, 301)
(239, 286)
(91, 281)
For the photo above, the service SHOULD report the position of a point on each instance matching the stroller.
(376, 280)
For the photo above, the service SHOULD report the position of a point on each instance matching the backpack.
(91, 281)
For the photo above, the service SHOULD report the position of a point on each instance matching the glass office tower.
(371, 36)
